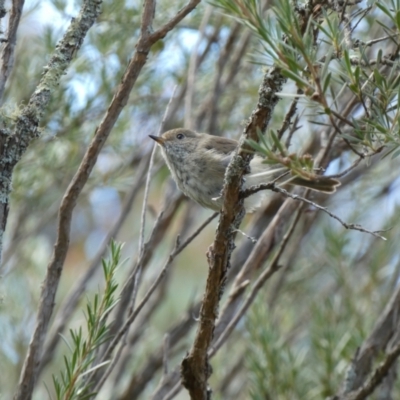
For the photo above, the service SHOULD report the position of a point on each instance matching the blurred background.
(306, 324)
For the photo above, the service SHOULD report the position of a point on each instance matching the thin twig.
(165, 354)
(149, 174)
(174, 391)
(371, 42)
(237, 59)
(343, 119)
(352, 166)
(161, 223)
(289, 115)
(211, 39)
(177, 332)
(346, 111)
(363, 14)
(197, 231)
(139, 269)
(141, 327)
(338, 130)
(292, 131)
(160, 33)
(272, 186)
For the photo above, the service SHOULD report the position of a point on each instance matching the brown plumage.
(198, 161)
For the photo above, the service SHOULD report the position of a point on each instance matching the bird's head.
(178, 143)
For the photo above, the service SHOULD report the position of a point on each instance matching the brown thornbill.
(198, 161)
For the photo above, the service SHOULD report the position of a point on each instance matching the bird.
(197, 162)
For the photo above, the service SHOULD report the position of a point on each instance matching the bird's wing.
(221, 145)
(221, 148)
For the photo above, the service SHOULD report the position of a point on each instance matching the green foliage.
(278, 371)
(71, 383)
(299, 347)
(315, 56)
(275, 152)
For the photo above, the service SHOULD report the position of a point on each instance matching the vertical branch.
(149, 175)
(14, 144)
(195, 368)
(385, 329)
(27, 129)
(7, 54)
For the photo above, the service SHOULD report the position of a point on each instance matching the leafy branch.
(72, 384)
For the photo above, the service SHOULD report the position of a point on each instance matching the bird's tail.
(318, 183)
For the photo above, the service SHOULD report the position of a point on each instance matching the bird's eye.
(180, 136)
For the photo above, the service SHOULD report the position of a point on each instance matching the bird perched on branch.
(198, 161)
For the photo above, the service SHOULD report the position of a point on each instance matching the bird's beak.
(158, 139)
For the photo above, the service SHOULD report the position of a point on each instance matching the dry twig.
(272, 186)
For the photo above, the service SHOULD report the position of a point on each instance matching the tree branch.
(272, 186)
(13, 144)
(195, 369)
(384, 330)
(7, 54)
(375, 379)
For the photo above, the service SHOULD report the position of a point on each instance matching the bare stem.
(272, 186)
(149, 174)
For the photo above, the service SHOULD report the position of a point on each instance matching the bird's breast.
(194, 179)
